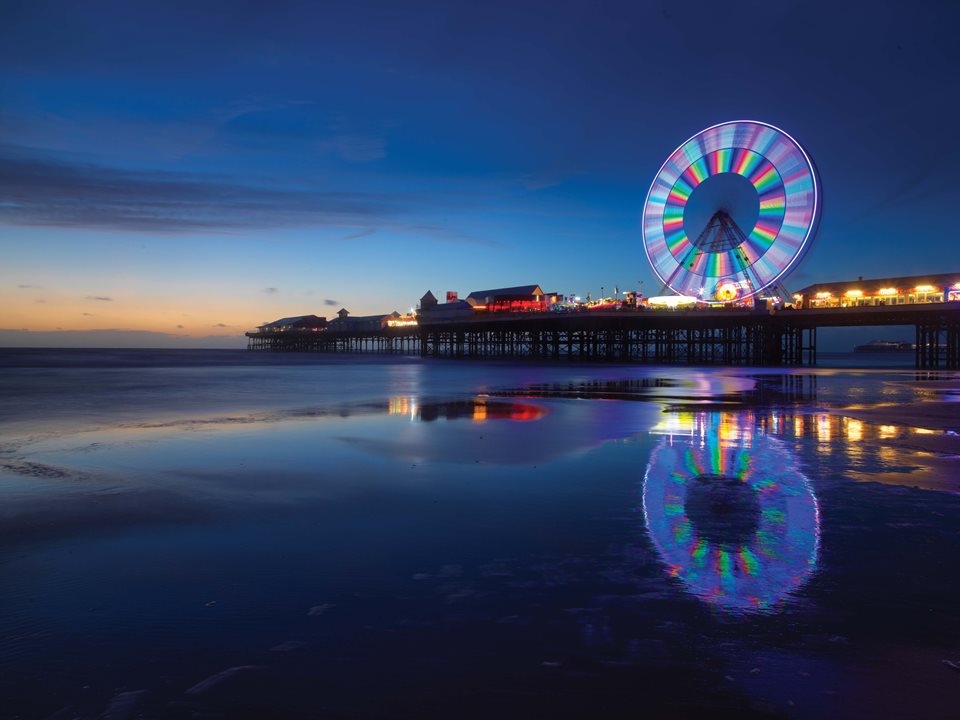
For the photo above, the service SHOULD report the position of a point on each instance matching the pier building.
(911, 290)
(345, 323)
(523, 298)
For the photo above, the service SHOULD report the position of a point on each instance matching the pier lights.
(888, 291)
(672, 302)
(852, 297)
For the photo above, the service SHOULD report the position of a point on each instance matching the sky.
(175, 173)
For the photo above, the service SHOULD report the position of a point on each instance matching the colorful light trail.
(787, 191)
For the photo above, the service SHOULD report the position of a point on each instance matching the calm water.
(225, 534)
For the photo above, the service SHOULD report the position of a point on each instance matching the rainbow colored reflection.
(788, 196)
(730, 514)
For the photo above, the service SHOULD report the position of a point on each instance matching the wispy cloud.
(269, 127)
(360, 148)
(360, 234)
(88, 314)
(271, 290)
(29, 287)
(57, 191)
(49, 192)
(220, 325)
(328, 301)
(543, 180)
(452, 236)
(100, 298)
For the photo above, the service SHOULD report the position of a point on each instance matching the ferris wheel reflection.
(731, 515)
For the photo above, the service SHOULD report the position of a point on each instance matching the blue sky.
(195, 168)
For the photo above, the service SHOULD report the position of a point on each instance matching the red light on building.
(517, 305)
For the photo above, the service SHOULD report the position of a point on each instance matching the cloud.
(29, 287)
(49, 191)
(88, 314)
(270, 127)
(40, 301)
(220, 325)
(270, 291)
(543, 180)
(359, 148)
(360, 234)
(452, 236)
(179, 327)
(328, 301)
(101, 298)
(44, 191)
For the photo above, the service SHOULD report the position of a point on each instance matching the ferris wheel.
(731, 211)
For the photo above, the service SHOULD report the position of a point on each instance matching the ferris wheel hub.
(727, 193)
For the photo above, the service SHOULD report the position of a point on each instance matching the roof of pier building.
(520, 292)
(294, 322)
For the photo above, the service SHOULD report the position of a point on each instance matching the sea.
(231, 534)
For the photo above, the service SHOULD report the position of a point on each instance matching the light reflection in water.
(729, 512)
(888, 431)
(479, 409)
(854, 430)
(824, 432)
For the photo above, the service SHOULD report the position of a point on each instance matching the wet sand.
(416, 539)
(930, 415)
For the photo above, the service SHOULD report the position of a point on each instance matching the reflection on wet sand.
(692, 387)
(729, 512)
(478, 409)
(891, 454)
(858, 449)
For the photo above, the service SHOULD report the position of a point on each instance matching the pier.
(399, 340)
(707, 336)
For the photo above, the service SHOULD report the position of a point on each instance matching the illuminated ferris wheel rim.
(811, 226)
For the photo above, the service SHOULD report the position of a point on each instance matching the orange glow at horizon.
(191, 316)
(44, 309)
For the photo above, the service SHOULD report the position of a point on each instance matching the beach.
(229, 534)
